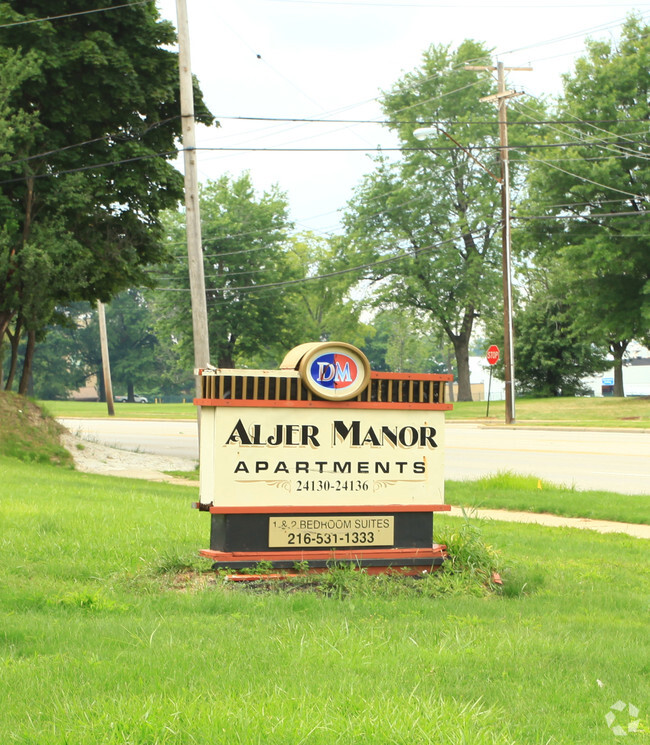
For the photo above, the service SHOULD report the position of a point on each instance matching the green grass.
(107, 636)
(527, 493)
(575, 412)
(28, 434)
(629, 413)
(96, 410)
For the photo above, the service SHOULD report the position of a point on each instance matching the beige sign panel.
(266, 456)
(331, 531)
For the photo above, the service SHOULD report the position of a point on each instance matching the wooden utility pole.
(501, 99)
(192, 212)
(106, 363)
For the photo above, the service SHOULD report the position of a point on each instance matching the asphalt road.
(613, 460)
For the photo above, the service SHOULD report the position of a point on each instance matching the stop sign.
(493, 354)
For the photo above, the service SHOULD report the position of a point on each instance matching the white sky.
(331, 58)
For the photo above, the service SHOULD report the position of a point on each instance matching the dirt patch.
(91, 457)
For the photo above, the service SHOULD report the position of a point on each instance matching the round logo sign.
(335, 371)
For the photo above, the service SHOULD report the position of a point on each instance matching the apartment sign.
(329, 456)
(322, 460)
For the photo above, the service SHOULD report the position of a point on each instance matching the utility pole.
(106, 363)
(192, 212)
(501, 99)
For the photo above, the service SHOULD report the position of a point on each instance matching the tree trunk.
(618, 350)
(225, 357)
(5, 320)
(451, 384)
(26, 376)
(14, 340)
(461, 348)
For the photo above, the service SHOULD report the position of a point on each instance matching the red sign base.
(374, 561)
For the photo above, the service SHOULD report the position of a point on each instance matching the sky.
(331, 59)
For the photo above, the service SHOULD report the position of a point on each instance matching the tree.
(246, 264)
(553, 356)
(90, 114)
(59, 367)
(404, 342)
(70, 353)
(598, 193)
(132, 344)
(429, 223)
(322, 309)
(66, 357)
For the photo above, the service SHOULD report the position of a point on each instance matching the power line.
(405, 149)
(177, 151)
(454, 6)
(641, 197)
(272, 285)
(430, 122)
(577, 216)
(94, 166)
(122, 136)
(582, 135)
(72, 15)
(411, 253)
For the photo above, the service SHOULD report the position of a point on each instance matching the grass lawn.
(97, 410)
(630, 413)
(526, 493)
(105, 637)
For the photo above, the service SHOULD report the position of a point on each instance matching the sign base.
(373, 538)
(379, 561)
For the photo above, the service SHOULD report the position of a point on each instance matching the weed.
(173, 561)
(469, 554)
(87, 600)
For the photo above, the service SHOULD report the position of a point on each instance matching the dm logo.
(335, 371)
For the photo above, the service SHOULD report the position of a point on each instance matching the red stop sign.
(493, 354)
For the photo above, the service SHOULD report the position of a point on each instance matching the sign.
(321, 456)
(331, 531)
(608, 381)
(335, 371)
(322, 460)
(492, 354)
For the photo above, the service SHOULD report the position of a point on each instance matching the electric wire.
(582, 135)
(121, 136)
(409, 253)
(72, 15)
(419, 122)
(486, 231)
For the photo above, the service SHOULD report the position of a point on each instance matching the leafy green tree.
(58, 368)
(132, 344)
(596, 195)
(70, 353)
(553, 356)
(429, 224)
(322, 309)
(90, 116)
(245, 262)
(404, 342)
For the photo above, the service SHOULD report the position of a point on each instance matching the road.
(612, 460)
